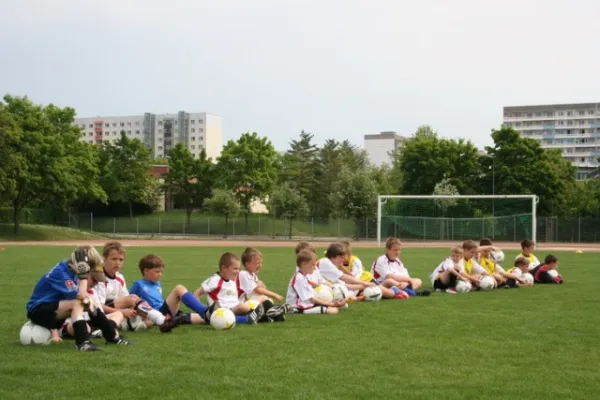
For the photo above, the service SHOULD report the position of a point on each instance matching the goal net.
(456, 218)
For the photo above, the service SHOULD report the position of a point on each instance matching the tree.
(189, 179)
(46, 164)
(426, 159)
(299, 165)
(248, 167)
(286, 201)
(354, 195)
(126, 175)
(223, 203)
(445, 188)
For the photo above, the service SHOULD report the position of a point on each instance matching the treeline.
(44, 165)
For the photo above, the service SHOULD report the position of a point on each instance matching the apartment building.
(572, 128)
(381, 147)
(159, 132)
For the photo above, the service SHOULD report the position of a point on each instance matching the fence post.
(114, 225)
(482, 227)
(366, 228)
(312, 226)
(69, 217)
(424, 229)
(208, 227)
(258, 224)
(579, 230)
(514, 228)
(137, 227)
(183, 227)
(233, 228)
(159, 221)
(339, 230)
(91, 222)
(452, 229)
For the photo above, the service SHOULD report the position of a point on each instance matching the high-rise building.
(381, 147)
(159, 132)
(572, 128)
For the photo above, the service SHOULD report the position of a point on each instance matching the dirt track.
(274, 243)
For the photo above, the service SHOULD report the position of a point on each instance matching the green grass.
(43, 232)
(535, 343)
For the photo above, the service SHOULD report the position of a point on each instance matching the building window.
(122, 124)
(201, 129)
(129, 132)
(192, 121)
(193, 147)
(561, 113)
(569, 113)
(581, 112)
(160, 147)
(160, 140)
(193, 130)
(137, 123)
(159, 122)
(137, 132)
(200, 121)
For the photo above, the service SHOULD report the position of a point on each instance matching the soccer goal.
(441, 218)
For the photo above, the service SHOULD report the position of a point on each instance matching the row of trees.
(43, 164)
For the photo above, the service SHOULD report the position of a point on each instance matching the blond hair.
(457, 250)
(249, 254)
(390, 242)
(110, 246)
(305, 256)
(469, 245)
(301, 246)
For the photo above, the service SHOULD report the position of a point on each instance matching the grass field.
(534, 343)
(42, 233)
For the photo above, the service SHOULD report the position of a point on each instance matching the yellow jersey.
(468, 266)
(488, 264)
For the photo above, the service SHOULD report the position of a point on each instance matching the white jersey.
(444, 266)
(383, 266)
(113, 288)
(315, 276)
(247, 282)
(329, 271)
(516, 272)
(300, 292)
(226, 292)
(533, 260)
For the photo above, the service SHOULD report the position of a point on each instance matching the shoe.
(97, 334)
(279, 318)
(402, 295)
(356, 299)
(290, 309)
(275, 311)
(260, 311)
(87, 346)
(172, 323)
(120, 341)
(210, 310)
(252, 318)
(424, 293)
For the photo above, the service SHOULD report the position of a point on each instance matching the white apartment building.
(159, 132)
(381, 147)
(572, 128)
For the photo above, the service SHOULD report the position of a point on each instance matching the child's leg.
(124, 302)
(320, 310)
(242, 309)
(116, 317)
(181, 295)
(416, 283)
(390, 290)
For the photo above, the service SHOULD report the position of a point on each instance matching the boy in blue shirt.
(149, 289)
(62, 293)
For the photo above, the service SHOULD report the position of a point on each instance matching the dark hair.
(249, 254)
(521, 262)
(550, 259)
(305, 256)
(110, 246)
(227, 259)
(485, 242)
(527, 243)
(335, 250)
(469, 245)
(304, 246)
(150, 262)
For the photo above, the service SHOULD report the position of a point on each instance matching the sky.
(335, 68)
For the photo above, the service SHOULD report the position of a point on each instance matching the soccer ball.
(527, 277)
(463, 286)
(553, 273)
(486, 283)
(497, 256)
(340, 292)
(34, 334)
(222, 319)
(324, 293)
(133, 324)
(372, 293)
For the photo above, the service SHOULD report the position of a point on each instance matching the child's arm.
(512, 276)
(55, 336)
(345, 270)
(399, 278)
(199, 292)
(328, 304)
(352, 280)
(265, 292)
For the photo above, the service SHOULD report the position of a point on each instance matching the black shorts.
(164, 310)
(45, 315)
(438, 284)
(110, 303)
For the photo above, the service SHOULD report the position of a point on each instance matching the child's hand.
(339, 303)
(278, 297)
(55, 338)
(128, 313)
(367, 284)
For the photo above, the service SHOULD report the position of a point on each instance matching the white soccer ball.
(340, 292)
(528, 278)
(34, 334)
(497, 256)
(222, 319)
(553, 273)
(133, 324)
(463, 286)
(372, 293)
(324, 293)
(487, 283)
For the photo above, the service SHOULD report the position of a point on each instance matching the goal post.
(457, 217)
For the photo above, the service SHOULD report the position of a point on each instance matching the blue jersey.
(150, 292)
(60, 283)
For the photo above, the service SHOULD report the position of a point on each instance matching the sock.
(156, 317)
(81, 332)
(395, 290)
(188, 319)
(410, 292)
(193, 303)
(241, 319)
(108, 327)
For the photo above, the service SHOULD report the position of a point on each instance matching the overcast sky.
(336, 68)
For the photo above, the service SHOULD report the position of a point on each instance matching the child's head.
(485, 242)
(469, 249)
(95, 262)
(551, 261)
(229, 266)
(456, 253)
(252, 259)
(393, 247)
(336, 252)
(348, 248)
(152, 267)
(306, 260)
(527, 246)
(522, 263)
(301, 246)
(114, 256)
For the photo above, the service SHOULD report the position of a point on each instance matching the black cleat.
(120, 341)
(424, 293)
(87, 346)
(210, 310)
(172, 323)
(276, 311)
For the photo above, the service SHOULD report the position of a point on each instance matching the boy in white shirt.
(390, 271)
(301, 292)
(314, 278)
(449, 272)
(254, 288)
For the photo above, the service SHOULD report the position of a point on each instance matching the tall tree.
(299, 165)
(52, 167)
(248, 167)
(286, 201)
(224, 203)
(189, 179)
(127, 178)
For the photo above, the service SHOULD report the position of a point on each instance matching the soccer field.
(534, 343)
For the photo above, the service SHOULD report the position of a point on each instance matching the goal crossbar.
(381, 199)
